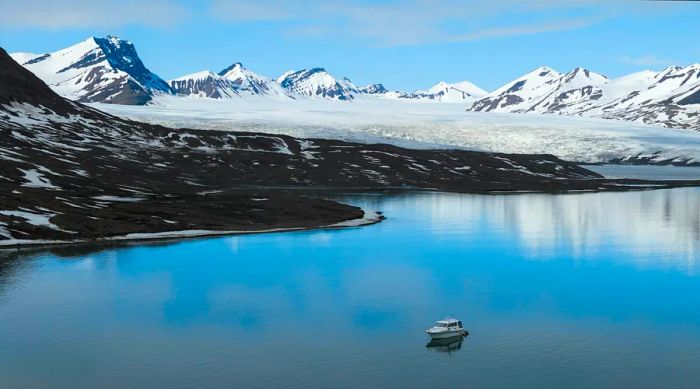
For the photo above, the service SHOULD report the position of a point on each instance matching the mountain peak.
(98, 70)
(234, 81)
(317, 82)
(113, 40)
(543, 71)
(468, 89)
(584, 76)
(234, 66)
(373, 89)
(197, 76)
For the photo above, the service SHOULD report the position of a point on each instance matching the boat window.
(459, 323)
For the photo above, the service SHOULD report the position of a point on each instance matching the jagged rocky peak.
(586, 76)
(97, 70)
(204, 84)
(247, 82)
(317, 82)
(121, 54)
(373, 89)
(233, 81)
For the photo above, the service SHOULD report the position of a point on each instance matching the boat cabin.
(450, 324)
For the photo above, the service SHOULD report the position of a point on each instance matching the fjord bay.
(573, 290)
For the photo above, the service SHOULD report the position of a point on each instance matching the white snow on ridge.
(22, 57)
(622, 86)
(414, 124)
(464, 86)
(252, 83)
(459, 92)
(201, 75)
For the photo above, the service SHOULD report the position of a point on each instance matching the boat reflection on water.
(448, 345)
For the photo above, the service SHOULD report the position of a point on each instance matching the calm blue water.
(588, 290)
(647, 172)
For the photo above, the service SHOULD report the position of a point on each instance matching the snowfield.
(373, 119)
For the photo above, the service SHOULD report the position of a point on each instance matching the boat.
(447, 328)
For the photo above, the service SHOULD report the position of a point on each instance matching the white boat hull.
(446, 334)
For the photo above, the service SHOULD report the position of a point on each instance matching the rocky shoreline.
(289, 225)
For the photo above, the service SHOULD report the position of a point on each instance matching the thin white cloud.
(59, 14)
(498, 32)
(646, 60)
(415, 22)
(248, 11)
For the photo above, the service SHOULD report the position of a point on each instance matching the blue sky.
(407, 45)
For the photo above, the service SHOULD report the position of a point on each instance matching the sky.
(406, 45)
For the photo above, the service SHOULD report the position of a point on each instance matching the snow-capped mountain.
(373, 89)
(234, 81)
(204, 84)
(109, 70)
(544, 89)
(317, 82)
(96, 70)
(671, 85)
(670, 97)
(459, 92)
(247, 82)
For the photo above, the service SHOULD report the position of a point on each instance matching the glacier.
(420, 124)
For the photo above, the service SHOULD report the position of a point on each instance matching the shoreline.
(369, 218)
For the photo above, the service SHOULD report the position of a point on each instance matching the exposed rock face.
(317, 82)
(373, 89)
(204, 84)
(234, 81)
(106, 70)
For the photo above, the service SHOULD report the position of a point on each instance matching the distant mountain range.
(670, 97)
(234, 81)
(109, 70)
